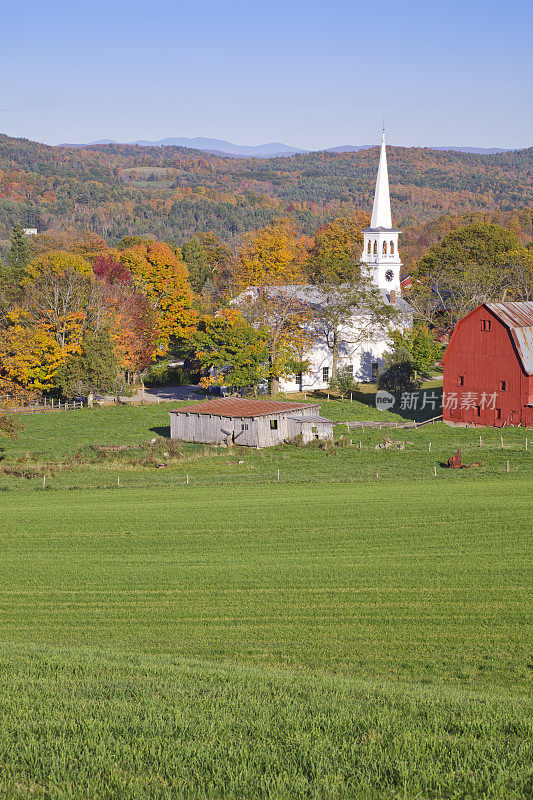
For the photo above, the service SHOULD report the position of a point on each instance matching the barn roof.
(518, 317)
(236, 407)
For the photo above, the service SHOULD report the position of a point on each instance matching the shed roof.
(236, 407)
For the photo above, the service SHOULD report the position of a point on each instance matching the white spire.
(381, 216)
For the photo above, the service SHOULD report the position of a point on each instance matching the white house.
(362, 346)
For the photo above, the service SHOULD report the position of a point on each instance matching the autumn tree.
(163, 277)
(272, 256)
(269, 272)
(60, 294)
(234, 352)
(29, 355)
(336, 250)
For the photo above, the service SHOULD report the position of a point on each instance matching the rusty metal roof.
(518, 317)
(235, 407)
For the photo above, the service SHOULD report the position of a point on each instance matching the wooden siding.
(483, 359)
(214, 429)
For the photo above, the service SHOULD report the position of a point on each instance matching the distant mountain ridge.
(268, 150)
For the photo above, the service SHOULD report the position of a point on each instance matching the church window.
(375, 248)
(392, 248)
(325, 374)
(385, 248)
(369, 248)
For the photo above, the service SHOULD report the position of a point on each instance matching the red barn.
(488, 367)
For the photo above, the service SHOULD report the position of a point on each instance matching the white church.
(361, 344)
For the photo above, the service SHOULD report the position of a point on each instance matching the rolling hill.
(172, 192)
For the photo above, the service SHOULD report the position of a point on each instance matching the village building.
(488, 367)
(254, 423)
(362, 345)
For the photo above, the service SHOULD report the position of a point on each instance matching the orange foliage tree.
(163, 277)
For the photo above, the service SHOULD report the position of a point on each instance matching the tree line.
(78, 316)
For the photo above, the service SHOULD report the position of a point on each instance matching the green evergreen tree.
(95, 369)
(19, 254)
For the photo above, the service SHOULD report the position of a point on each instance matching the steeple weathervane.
(381, 213)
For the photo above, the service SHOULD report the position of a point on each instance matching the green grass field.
(333, 635)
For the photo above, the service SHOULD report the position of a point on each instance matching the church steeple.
(381, 216)
(380, 249)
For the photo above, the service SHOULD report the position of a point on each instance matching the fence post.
(44, 481)
(501, 438)
(435, 471)
(480, 442)
(278, 475)
(526, 442)
(351, 400)
(187, 479)
(118, 481)
(430, 447)
(507, 466)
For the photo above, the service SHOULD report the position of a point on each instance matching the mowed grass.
(88, 724)
(333, 635)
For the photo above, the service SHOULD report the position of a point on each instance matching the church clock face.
(389, 275)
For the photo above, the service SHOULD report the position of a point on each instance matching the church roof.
(381, 213)
(308, 293)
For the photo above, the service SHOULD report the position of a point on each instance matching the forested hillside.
(171, 193)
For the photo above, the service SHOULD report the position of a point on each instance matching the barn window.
(273, 424)
(375, 368)
(325, 374)
(461, 380)
(478, 411)
(498, 413)
(244, 426)
(503, 386)
(486, 324)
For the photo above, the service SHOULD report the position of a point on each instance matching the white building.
(362, 346)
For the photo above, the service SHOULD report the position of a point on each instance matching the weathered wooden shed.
(254, 423)
(488, 367)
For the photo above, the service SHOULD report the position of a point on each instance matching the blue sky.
(310, 74)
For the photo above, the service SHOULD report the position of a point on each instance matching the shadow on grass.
(419, 406)
(162, 430)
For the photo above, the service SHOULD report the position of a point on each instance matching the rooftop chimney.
(392, 296)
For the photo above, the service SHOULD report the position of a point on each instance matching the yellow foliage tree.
(163, 277)
(29, 355)
(57, 262)
(272, 256)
